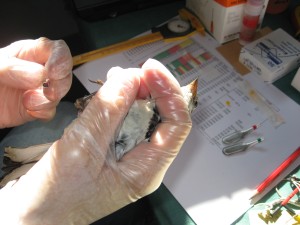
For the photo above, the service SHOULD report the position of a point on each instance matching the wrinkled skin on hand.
(24, 67)
(79, 180)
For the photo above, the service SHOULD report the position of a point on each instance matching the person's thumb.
(21, 74)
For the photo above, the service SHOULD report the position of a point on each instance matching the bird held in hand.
(138, 125)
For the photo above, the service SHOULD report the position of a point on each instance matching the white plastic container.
(272, 56)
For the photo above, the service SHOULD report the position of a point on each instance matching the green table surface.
(102, 33)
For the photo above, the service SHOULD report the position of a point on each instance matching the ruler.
(118, 47)
(139, 41)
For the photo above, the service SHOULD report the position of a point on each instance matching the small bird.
(142, 118)
(138, 125)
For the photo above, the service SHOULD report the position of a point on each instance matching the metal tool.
(238, 135)
(240, 147)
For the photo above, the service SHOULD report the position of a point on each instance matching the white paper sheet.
(212, 187)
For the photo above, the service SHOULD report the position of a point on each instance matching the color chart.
(185, 60)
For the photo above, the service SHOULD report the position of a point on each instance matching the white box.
(222, 18)
(271, 56)
(296, 80)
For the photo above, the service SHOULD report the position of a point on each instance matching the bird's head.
(190, 95)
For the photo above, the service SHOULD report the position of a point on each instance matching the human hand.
(24, 67)
(79, 180)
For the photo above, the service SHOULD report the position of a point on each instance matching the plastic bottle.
(250, 20)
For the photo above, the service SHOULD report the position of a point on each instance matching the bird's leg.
(81, 103)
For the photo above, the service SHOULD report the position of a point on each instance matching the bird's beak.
(194, 90)
(190, 94)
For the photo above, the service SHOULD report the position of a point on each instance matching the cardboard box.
(272, 56)
(222, 18)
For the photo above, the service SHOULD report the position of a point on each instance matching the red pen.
(285, 201)
(276, 172)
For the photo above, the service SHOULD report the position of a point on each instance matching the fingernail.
(114, 71)
(153, 64)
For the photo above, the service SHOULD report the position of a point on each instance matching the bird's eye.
(196, 104)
